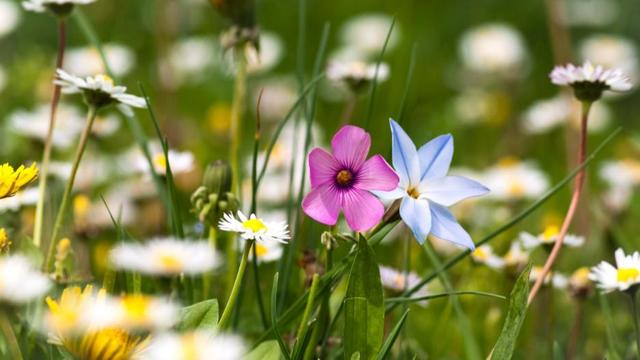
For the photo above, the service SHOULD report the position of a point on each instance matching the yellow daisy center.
(105, 78)
(261, 250)
(515, 187)
(479, 253)
(628, 274)
(254, 225)
(508, 161)
(81, 204)
(170, 262)
(550, 232)
(160, 161)
(135, 307)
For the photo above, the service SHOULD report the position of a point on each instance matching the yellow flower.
(12, 181)
(106, 344)
(5, 243)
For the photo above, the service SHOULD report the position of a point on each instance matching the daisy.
(513, 179)
(516, 257)
(165, 257)
(579, 284)
(35, 124)
(557, 280)
(254, 228)
(357, 74)
(143, 312)
(621, 176)
(20, 282)
(199, 345)
(625, 276)
(485, 255)
(611, 51)
(180, 161)
(268, 251)
(99, 90)
(86, 61)
(398, 281)
(549, 237)
(12, 181)
(589, 81)
(366, 34)
(492, 48)
(58, 7)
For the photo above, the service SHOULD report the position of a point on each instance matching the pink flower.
(343, 181)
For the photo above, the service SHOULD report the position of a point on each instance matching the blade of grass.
(515, 220)
(407, 83)
(443, 295)
(274, 318)
(374, 83)
(393, 335)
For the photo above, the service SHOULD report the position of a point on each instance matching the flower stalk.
(634, 313)
(91, 116)
(10, 336)
(48, 144)
(575, 199)
(239, 97)
(233, 296)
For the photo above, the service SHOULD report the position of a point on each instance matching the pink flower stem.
(575, 199)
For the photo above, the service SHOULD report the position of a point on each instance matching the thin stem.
(576, 329)
(10, 336)
(233, 296)
(636, 321)
(48, 143)
(575, 199)
(91, 116)
(239, 97)
(308, 308)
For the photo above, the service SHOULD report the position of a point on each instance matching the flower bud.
(218, 177)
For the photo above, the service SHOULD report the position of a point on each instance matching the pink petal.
(377, 174)
(350, 146)
(361, 209)
(323, 167)
(322, 204)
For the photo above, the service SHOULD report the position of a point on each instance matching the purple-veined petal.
(397, 193)
(449, 190)
(416, 214)
(376, 174)
(445, 227)
(350, 146)
(405, 155)
(323, 167)
(323, 204)
(361, 209)
(435, 157)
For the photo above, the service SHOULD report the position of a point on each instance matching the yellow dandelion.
(12, 181)
(106, 344)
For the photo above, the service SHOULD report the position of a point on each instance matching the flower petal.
(449, 190)
(435, 157)
(350, 146)
(361, 209)
(376, 174)
(397, 193)
(416, 214)
(405, 155)
(444, 226)
(323, 167)
(322, 204)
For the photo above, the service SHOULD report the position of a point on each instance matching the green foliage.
(202, 315)
(268, 350)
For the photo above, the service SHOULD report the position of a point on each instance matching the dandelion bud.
(63, 249)
(218, 177)
(5, 243)
(214, 198)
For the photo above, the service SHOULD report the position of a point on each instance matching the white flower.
(623, 276)
(512, 179)
(621, 176)
(270, 54)
(546, 115)
(142, 312)
(613, 52)
(557, 280)
(485, 255)
(99, 90)
(357, 72)
(26, 197)
(254, 228)
(9, 18)
(267, 251)
(86, 61)
(20, 282)
(588, 75)
(397, 281)
(549, 237)
(516, 256)
(200, 345)
(165, 256)
(190, 58)
(180, 161)
(366, 34)
(492, 48)
(42, 5)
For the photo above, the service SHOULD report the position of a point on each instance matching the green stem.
(91, 116)
(239, 96)
(48, 144)
(10, 336)
(233, 296)
(636, 321)
(308, 308)
(213, 237)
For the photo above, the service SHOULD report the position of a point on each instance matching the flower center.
(628, 274)
(261, 250)
(413, 192)
(255, 225)
(160, 162)
(170, 262)
(480, 254)
(344, 178)
(550, 233)
(136, 307)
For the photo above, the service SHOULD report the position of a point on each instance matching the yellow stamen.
(628, 274)
(160, 161)
(344, 177)
(170, 262)
(550, 233)
(254, 225)
(413, 192)
(480, 254)
(261, 250)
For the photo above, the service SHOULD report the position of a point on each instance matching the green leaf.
(202, 315)
(515, 317)
(268, 350)
(393, 335)
(364, 306)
